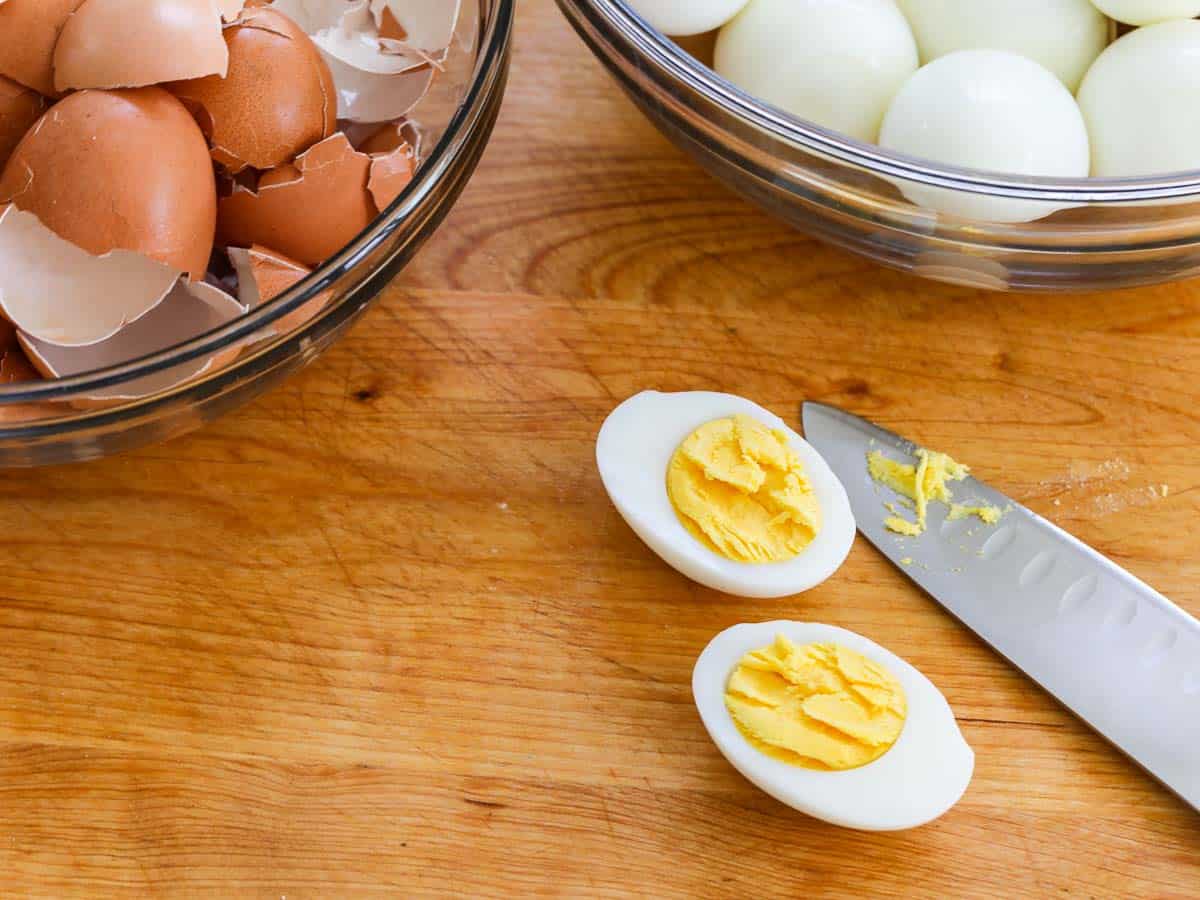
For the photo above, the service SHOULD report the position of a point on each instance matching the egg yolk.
(742, 492)
(818, 706)
(929, 480)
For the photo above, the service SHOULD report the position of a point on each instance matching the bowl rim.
(494, 38)
(673, 62)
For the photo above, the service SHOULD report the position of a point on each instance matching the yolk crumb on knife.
(819, 706)
(742, 492)
(929, 480)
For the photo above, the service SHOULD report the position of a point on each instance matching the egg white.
(687, 17)
(1148, 12)
(991, 110)
(922, 776)
(1139, 100)
(1065, 36)
(836, 64)
(633, 450)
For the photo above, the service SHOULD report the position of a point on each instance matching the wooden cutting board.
(381, 633)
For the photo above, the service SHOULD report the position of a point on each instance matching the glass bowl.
(46, 422)
(1083, 233)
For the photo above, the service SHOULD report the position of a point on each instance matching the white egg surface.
(633, 451)
(1065, 36)
(686, 17)
(990, 110)
(1148, 12)
(1140, 101)
(837, 63)
(918, 779)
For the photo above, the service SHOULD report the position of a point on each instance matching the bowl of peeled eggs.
(1031, 145)
(198, 197)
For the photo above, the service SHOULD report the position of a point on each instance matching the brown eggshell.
(124, 169)
(29, 30)
(62, 294)
(15, 369)
(188, 311)
(277, 100)
(390, 174)
(20, 107)
(263, 275)
(307, 210)
(131, 43)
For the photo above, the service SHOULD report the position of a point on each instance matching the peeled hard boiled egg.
(915, 780)
(837, 63)
(990, 110)
(1148, 12)
(1063, 35)
(685, 17)
(1140, 99)
(634, 450)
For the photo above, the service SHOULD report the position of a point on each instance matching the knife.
(1114, 651)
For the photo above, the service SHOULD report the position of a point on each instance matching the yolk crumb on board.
(742, 492)
(927, 481)
(819, 706)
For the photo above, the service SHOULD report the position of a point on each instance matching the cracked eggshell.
(229, 9)
(277, 100)
(29, 29)
(20, 107)
(130, 43)
(263, 275)
(425, 27)
(371, 97)
(15, 368)
(127, 170)
(393, 161)
(61, 294)
(308, 209)
(189, 310)
(374, 83)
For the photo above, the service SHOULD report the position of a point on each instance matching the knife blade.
(1121, 656)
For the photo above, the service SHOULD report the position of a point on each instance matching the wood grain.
(382, 632)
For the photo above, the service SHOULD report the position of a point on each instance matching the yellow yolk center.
(927, 481)
(819, 706)
(742, 492)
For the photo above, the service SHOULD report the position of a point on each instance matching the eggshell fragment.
(189, 310)
(16, 369)
(370, 97)
(20, 107)
(374, 82)
(263, 275)
(307, 210)
(229, 9)
(29, 30)
(127, 169)
(422, 26)
(130, 43)
(391, 169)
(276, 101)
(64, 295)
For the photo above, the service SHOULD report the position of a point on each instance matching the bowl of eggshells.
(1006, 144)
(197, 197)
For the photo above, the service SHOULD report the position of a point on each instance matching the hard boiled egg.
(1148, 12)
(634, 450)
(685, 17)
(837, 63)
(990, 110)
(1140, 99)
(1063, 35)
(915, 780)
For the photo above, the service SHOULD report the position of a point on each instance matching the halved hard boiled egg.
(832, 724)
(725, 492)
